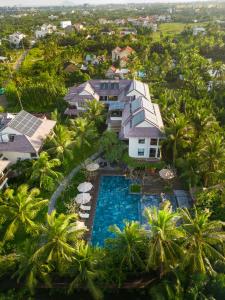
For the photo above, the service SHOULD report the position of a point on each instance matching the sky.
(76, 2)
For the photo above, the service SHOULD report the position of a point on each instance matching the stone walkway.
(65, 182)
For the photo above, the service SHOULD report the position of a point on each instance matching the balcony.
(3, 180)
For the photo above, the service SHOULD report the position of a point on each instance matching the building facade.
(130, 113)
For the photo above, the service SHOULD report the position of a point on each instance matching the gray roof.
(25, 123)
(20, 144)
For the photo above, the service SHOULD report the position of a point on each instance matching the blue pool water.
(115, 205)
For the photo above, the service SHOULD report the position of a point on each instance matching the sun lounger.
(85, 207)
(84, 215)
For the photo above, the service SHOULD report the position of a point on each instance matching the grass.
(171, 29)
(33, 56)
(135, 188)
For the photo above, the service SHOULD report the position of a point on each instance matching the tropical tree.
(19, 210)
(44, 173)
(59, 238)
(164, 247)
(83, 131)
(86, 269)
(203, 242)
(95, 112)
(127, 247)
(179, 133)
(61, 143)
(211, 158)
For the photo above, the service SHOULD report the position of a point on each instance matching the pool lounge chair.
(85, 207)
(84, 215)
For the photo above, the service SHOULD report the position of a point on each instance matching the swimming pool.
(115, 205)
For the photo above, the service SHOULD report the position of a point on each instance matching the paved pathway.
(19, 61)
(65, 182)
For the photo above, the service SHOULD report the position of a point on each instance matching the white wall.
(134, 146)
(13, 156)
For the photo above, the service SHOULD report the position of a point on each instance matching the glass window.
(152, 152)
(11, 137)
(141, 141)
(112, 98)
(153, 142)
(33, 155)
(141, 152)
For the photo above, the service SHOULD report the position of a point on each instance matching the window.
(158, 153)
(153, 142)
(112, 98)
(33, 155)
(11, 137)
(141, 141)
(103, 98)
(152, 152)
(141, 152)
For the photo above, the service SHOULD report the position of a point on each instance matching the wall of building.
(13, 156)
(134, 146)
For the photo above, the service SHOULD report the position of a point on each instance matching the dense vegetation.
(183, 255)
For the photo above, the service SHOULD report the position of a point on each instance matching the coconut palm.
(128, 245)
(59, 238)
(19, 210)
(179, 133)
(211, 157)
(203, 241)
(164, 245)
(95, 112)
(85, 269)
(84, 132)
(61, 143)
(43, 171)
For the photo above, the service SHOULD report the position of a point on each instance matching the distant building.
(16, 38)
(130, 113)
(22, 135)
(64, 24)
(52, 18)
(121, 55)
(113, 73)
(128, 31)
(79, 27)
(199, 30)
(45, 30)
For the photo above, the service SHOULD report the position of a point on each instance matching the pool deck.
(152, 184)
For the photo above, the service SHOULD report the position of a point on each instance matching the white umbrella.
(80, 225)
(166, 174)
(92, 167)
(85, 187)
(83, 198)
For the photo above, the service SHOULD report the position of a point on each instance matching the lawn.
(34, 55)
(171, 29)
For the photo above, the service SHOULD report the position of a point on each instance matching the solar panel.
(25, 123)
(138, 118)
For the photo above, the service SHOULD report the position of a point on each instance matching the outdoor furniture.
(84, 215)
(83, 198)
(92, 167)
(166, 174)
(85, 207)
(85, 187)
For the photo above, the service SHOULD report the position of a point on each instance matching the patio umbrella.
(166, 174)
(83, 198)
(85, 187)
(80, 225)
(92, 167)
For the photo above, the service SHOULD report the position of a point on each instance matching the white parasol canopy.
(166, 174)
(92, 167)
(83, 198)
(85, 187)
(80, 225)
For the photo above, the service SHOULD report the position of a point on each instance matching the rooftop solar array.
(136, 104)
(25, 123)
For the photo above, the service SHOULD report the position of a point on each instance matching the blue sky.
(58, 2)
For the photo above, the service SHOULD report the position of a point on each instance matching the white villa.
(22, 135)
(16, 38)
(45, 30)
(199, 30)
(130, 113)
(64, 24)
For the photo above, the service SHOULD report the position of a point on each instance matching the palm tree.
(61, 143)
(86, 270)
(179, 133)
(43, 171)
(95, 112)
(211, 156)
(164, 247)
(84, 132)
(127, 246)
(59, 238)
(203, 241)
(20, 209)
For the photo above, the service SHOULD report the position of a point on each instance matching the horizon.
(41, 3)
